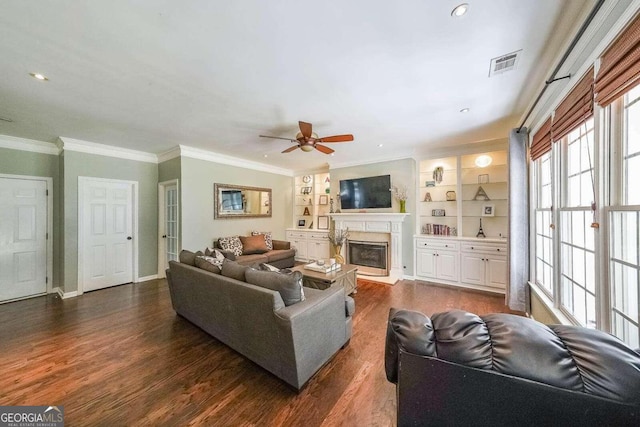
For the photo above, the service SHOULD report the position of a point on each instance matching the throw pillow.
(267, 238)
(208, 263)
(288, 285)
(188, 257)
(215, 253)
(253, 245)
(232, 244)
(234, 270)
(268, 267)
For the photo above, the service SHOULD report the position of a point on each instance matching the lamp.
(483, 161)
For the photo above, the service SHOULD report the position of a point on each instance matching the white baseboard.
(64, 295)
(147, 278)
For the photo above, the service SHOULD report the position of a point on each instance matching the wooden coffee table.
(346, 277)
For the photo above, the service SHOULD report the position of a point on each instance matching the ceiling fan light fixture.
(39, 76)
(306, 148)
(460, 10)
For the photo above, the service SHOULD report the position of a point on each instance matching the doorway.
(107, 240)
(168, 224)
(25, 236)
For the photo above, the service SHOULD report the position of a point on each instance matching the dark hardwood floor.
(121, 356)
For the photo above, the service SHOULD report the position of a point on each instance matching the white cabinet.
(484, 264)
(309, 244)
(436, 259)
(470, 262)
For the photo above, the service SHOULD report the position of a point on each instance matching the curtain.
(575, 108)
(541, 143)
(518, 259)
(619, 66)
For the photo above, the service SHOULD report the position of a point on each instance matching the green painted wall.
(78, 164)
(196, 188)
(171, 169)
(17, 162)
(403, 173)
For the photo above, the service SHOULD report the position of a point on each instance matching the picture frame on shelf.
(488, 210)
(301, 222)
(438, 212)
(429, 183)
(323, 200)
(483, 178)
(323, 222)
(305, 190)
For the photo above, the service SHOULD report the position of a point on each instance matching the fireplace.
(371, 258)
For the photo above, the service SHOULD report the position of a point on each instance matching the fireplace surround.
(371, 258)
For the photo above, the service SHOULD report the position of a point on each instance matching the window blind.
(575, 108)
(541, 143)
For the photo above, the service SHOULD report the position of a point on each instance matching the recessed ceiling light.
(483, 161)
(464, 110)
(379, 145)
(460, 10)
(39, 76)
(266, 155)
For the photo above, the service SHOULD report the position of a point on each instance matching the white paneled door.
(23, 238)
(171, 223)
(106, 233)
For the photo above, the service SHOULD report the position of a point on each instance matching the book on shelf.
(325, 268)
(436, 229)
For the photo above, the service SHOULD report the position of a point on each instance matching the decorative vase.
(338, 256)
(403, 206)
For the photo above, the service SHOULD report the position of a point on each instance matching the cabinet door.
(473, 266)
(496, 272)
(426, 261)
(300, 245)
(447, 265)
(317, 249)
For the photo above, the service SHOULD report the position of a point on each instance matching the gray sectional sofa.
(292, 342)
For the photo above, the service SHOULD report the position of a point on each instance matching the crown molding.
(31, 145)
(210, 156)
(169, 154)
(70, 144)
(339, 165)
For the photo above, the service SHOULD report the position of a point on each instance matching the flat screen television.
(366, 193)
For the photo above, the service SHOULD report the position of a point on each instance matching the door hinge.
(46, 280)
(47, 192)
(47, 236)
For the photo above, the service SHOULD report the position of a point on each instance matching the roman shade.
(541, 144)
(575, 108)
(619, 66)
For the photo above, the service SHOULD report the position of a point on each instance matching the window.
(544, 221)
(577, 239)
(624, 231)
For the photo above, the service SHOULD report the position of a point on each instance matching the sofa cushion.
(268, 238)
(253, 245)
(208, 263)
(289, 285)
(234, 270)
(280, 254)
(233, 244)
(188, 257)
(349, 306)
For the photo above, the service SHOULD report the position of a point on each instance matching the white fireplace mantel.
(377, 223)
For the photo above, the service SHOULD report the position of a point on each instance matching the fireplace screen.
(371, 257)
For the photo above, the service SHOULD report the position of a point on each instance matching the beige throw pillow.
(253, 245)
(232, 244)
(267, 238)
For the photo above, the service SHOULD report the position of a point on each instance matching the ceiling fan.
(307, 140)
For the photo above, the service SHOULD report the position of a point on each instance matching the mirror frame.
(219, 214)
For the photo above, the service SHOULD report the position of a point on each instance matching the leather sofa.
(457, 368)
(292, 342)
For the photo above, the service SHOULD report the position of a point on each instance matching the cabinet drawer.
(472, 247)
(436, 244)
(318, 236)
(295, 235)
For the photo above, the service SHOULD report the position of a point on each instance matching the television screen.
(366, 193)
(231, 200)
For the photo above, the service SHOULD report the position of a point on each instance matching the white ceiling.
(149, 75)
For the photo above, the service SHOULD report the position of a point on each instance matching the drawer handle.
(498, 249)
(446, 246)
(471, 247)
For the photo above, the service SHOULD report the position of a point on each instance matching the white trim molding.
(146, 278)
(31, 145)
(210, 156)
(63, 294)
(70, 144)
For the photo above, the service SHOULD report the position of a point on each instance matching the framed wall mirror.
(238, 201)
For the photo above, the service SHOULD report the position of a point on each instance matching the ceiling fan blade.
(277, 137)
(322, 148)
(305, 129)
(290, 149)
(336, 138)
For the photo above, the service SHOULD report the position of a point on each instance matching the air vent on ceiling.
(504, 63)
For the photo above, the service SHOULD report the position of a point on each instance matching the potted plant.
(401, 194)
(338, 237)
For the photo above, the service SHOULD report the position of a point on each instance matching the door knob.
(164, 236)
(129, 238)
